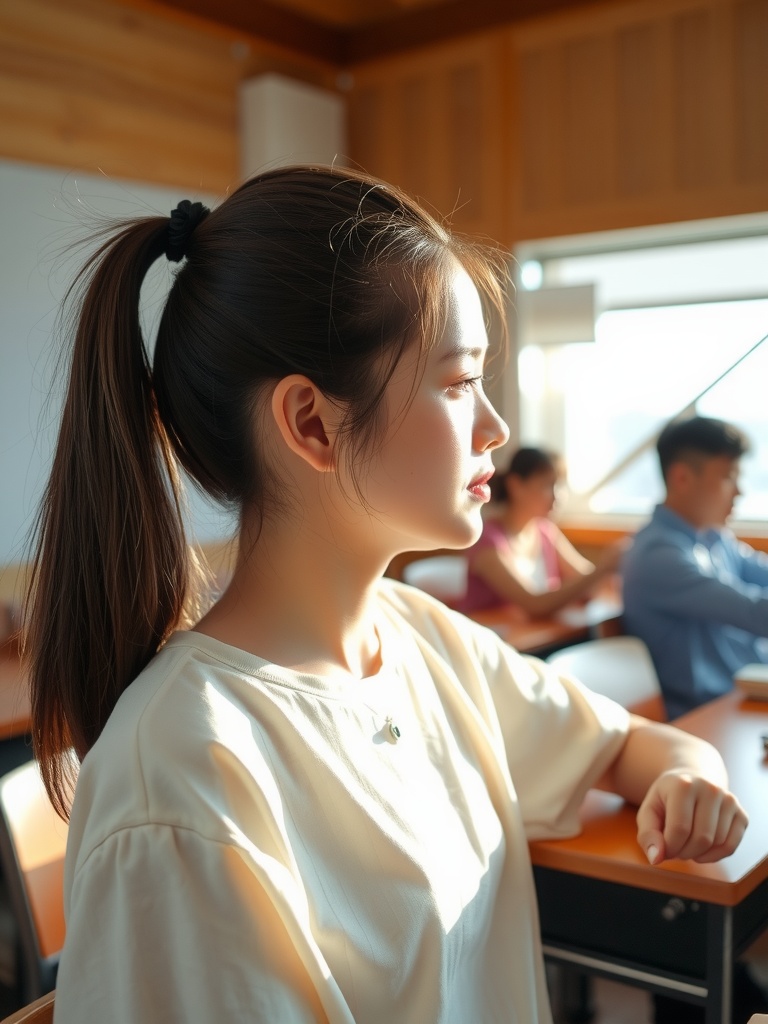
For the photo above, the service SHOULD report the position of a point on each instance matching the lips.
(479, 486)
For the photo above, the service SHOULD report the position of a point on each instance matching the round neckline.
(340, 687)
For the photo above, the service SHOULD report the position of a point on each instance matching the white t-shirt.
(252, 844)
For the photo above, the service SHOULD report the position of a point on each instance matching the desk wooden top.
(15, 709)
(607, 847)
(529, 635)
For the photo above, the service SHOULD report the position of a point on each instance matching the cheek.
(443, 426)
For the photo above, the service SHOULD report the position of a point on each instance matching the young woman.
(314, 805)
(522, 557)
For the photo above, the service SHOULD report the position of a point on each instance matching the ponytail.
(324, 272)
(111, 567)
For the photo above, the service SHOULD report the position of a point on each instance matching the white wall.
(43, 213)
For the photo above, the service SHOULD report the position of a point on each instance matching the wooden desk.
(15, 709)
(538, 636)
(675, 928)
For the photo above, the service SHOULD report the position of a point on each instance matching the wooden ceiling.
(346, 31)
(347, 14)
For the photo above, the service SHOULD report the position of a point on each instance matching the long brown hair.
(302, 270)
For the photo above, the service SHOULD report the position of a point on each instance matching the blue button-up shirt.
(699, 600)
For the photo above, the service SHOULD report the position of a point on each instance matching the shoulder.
(414, 610)
(662, 537)
(160, 759)
(473, 653)
(548, 530)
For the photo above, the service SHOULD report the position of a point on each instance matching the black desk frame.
(680, 947)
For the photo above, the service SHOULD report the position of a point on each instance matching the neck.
(681, 509)
(302, 597)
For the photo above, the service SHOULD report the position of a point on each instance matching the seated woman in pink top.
(521, 557)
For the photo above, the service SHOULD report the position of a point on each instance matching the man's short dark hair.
(687, 440)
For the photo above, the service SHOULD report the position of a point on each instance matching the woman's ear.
(306, 421)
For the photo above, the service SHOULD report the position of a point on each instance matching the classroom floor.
(620, 1004)
(613, 1004)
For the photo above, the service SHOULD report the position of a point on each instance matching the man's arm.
(753, 564)
(670, 580)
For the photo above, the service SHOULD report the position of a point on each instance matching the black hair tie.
(184, 220)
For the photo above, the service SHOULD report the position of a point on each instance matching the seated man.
(692, 592)
(699, 599)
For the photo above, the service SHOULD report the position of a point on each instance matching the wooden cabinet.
(637, 113)
(606, 116)
(435, 121)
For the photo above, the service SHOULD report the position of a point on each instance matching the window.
(678, 328)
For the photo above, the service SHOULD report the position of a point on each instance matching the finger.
(679, 817)
(650, 837)
(731, 841)
(723, 835)
(652, 845)
(707, 813)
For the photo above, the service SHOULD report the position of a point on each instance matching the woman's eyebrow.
(459, 351)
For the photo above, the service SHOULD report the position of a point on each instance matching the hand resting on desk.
(680, 786)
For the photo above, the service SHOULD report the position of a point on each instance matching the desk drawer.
(647, 928)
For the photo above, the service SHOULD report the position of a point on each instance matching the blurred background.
(617, 149)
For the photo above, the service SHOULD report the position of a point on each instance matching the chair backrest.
(442, 576)
(33, 840)
(620, 667)
(38, 1012)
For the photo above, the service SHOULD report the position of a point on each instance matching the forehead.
(464, 329)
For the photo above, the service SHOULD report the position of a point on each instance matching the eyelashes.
(469, 383)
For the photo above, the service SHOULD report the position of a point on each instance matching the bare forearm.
(545, 603)
(680, 786)
(651, 750)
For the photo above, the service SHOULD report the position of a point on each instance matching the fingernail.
(652, 853)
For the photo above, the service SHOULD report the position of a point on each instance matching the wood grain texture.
(640, 113)
(133, 90)
(435, 122)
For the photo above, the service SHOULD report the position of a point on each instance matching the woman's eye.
(469, 383)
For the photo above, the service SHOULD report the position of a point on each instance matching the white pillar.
(283, 121)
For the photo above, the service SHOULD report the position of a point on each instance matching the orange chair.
(33, 840)
(39, 1012)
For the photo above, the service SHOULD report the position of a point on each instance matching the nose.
(490, 429)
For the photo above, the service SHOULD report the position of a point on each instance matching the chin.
(465, 537)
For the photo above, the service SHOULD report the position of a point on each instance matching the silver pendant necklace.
(390, 731)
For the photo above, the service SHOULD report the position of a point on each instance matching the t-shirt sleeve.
(556, 736)
(559, 737)
(196, 922)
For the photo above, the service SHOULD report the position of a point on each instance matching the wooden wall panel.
(700, 82)
(750, 90)
(588, 90)
(540, 130)
(435, 122)
(642, 80)
(136, 91)
(639, 113)
(613, 115)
